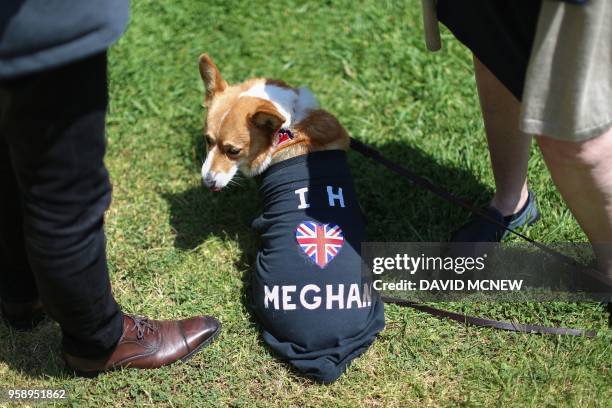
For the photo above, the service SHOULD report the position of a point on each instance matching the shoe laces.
(141, 325)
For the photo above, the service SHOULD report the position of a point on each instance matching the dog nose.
(208, 181)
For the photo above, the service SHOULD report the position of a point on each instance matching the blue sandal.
(479, 229)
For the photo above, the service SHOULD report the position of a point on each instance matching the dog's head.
(241, 123)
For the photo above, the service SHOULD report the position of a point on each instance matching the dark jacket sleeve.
(36, 35)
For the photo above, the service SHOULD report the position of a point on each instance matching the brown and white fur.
(242, 122)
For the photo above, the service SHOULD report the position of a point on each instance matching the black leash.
(372, 153)
(483, 322)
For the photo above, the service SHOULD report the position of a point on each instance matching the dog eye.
(233, 151)
(209, 140)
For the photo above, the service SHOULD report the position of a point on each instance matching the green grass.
(176, 250)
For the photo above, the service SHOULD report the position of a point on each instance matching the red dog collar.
(282, 136)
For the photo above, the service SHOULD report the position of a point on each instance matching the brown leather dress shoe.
(151, 344)
(23, 316)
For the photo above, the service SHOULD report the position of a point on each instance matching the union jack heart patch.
(321, 242)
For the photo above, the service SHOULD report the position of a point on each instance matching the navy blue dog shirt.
(317, 310)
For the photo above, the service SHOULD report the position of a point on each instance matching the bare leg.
(508, 146)
(583, 175)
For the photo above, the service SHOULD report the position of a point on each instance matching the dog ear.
(267, 118)
(213, 81)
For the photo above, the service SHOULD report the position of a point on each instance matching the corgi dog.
(316, 308)
(260, 122)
